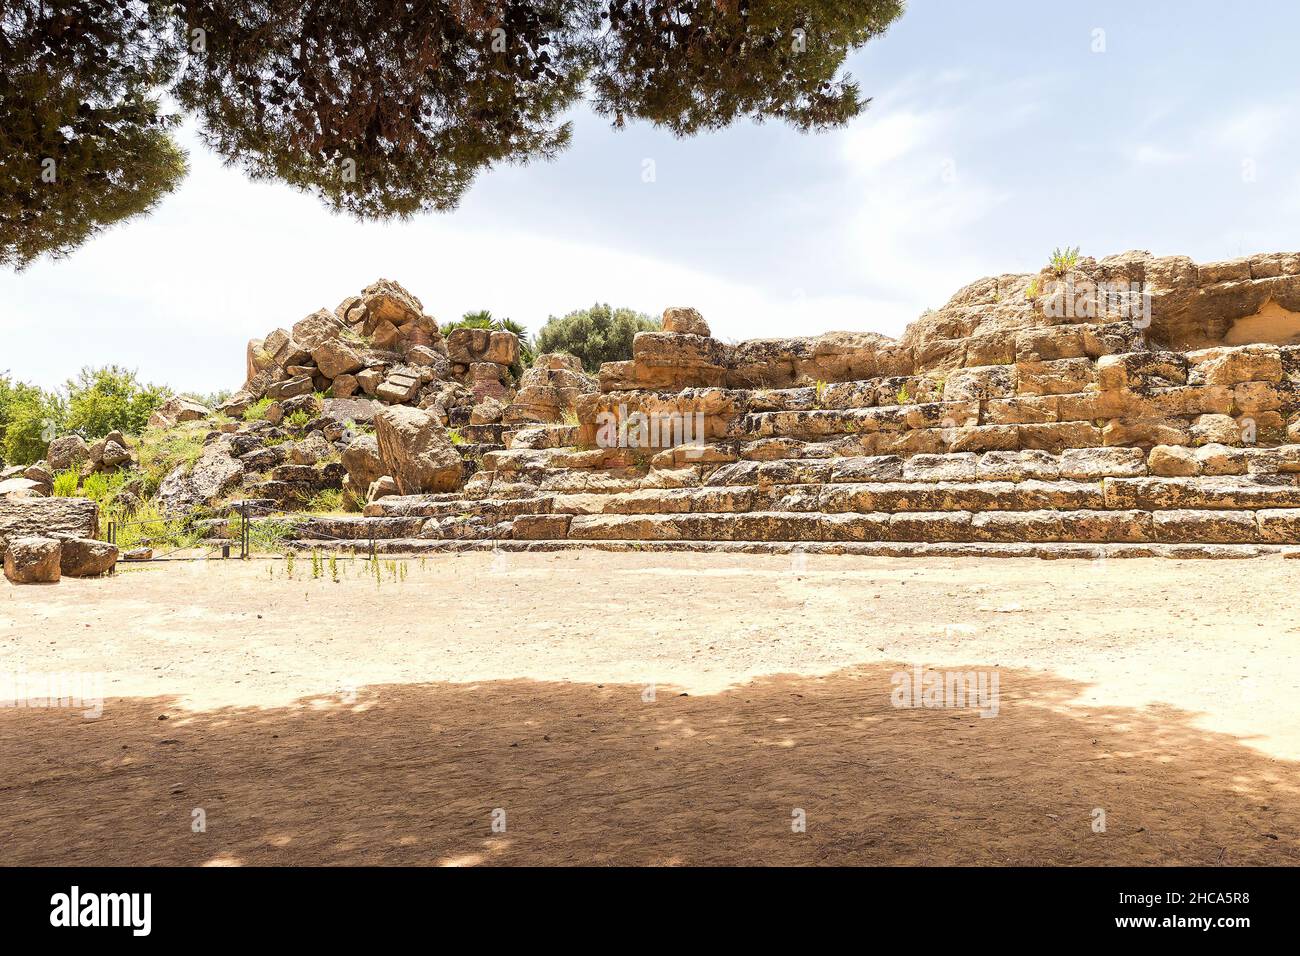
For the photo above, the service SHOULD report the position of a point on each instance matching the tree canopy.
(84, 140)
(381, 108)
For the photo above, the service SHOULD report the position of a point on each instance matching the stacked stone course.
(1032, 414)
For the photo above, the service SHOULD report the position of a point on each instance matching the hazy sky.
(996, 132)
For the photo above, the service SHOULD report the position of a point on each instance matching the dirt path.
(643, 708)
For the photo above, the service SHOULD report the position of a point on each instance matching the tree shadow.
(595, 774)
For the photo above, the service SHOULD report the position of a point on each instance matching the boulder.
(25, 517)
(86, 557)
(416, 451)
(315, 330)
(114, 455)
(67, 451)
(383, 487)
(359, 410)
(311, 450)
(335, 357)
(387, 301)
(685, 321)
(22, 488)
(212, 475)
(345, 386)
(362, 461)
(486, 412)
(176, 410)
(32, 560)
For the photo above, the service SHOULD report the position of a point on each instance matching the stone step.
(1181, 526)
(417, 547)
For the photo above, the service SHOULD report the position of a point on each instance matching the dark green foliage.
(595, 335)
(83, 141)
(702, 64)
(381, 108)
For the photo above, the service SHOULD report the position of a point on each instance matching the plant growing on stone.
(1031, 293)
(257, 411)
(820, 389)
(160, 451)
(1064, 260)
(455, 437)
(902, 397)
(327, 501)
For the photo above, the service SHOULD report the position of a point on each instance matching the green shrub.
(1063, 260)
(148, 527)
(103, 486)
(257, 411)
(161, 451)
(265, 535)
(32, 417)
(101, 400)
(595, 335)
(326, 500)
(65, 484)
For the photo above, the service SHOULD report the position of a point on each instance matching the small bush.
(326, 500)
(160, 451)
(265, 535)
(595, 335)
(148, 527)
(257, 411)
(1064, 260)
(65, 484)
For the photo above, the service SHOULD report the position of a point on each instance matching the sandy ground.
(658, 709)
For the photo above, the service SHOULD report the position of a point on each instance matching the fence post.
(244, 537)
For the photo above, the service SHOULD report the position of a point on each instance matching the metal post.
(244, 537)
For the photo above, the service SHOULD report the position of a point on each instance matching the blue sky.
(996, 132)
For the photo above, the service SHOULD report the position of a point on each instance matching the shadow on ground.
(592, 774)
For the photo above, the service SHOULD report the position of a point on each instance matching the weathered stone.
(362, 461)
(416, 451)
(33, 560)
(85, 557)
(215, 473)
(1093, 464)
(28, 517)
(177, 410)
(312, 450)
(67, 451)
(1172, 461)
(684, 321)
(1215, 527)
(335, 357)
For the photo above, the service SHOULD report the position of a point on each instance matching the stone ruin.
(1136, 405)
(1132, 406)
